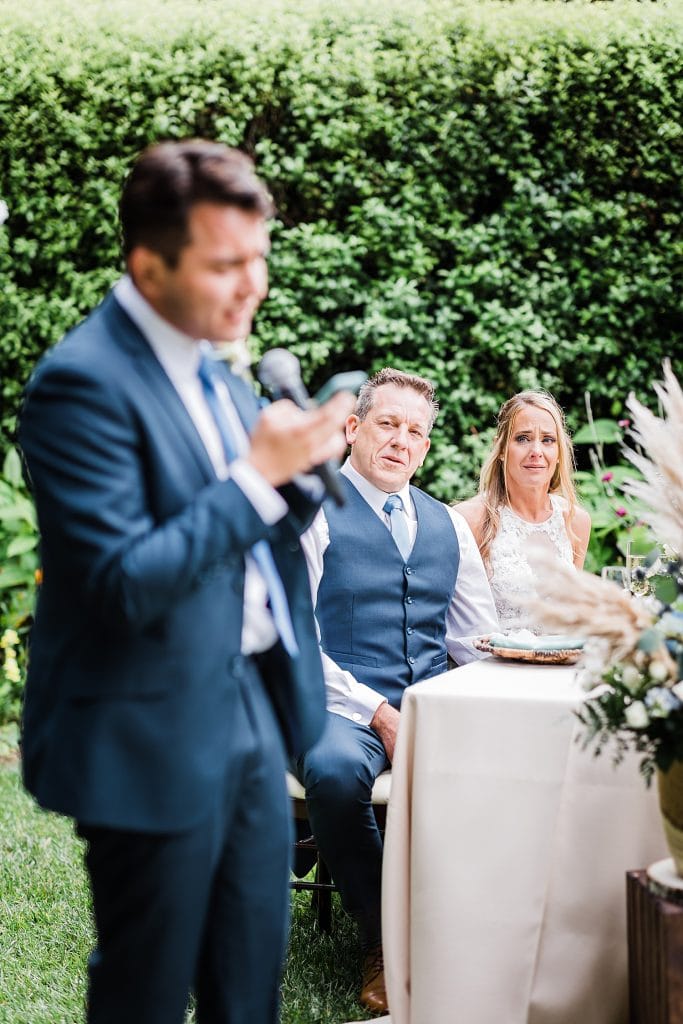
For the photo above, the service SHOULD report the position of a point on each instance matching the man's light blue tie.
(260, 551)
(393, 507)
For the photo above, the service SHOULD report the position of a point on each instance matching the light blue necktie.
(393, 507)
(260, 551)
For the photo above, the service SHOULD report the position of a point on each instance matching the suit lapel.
(159, 389)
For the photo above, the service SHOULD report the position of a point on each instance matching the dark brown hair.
(169, 178)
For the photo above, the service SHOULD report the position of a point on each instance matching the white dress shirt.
(471, 611)
(179, 356)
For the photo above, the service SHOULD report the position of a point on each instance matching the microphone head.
(279, 371)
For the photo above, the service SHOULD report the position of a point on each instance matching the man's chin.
(393, 483)
(236, 333)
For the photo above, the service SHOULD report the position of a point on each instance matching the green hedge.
(486, 192)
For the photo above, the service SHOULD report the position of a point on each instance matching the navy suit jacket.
(135, 652)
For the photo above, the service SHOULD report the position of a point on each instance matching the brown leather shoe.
(373, 994)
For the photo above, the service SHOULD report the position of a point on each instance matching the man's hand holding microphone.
(293, 434)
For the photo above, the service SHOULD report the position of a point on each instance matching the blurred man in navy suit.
(174, 663)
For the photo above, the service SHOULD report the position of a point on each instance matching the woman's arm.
(579, 533)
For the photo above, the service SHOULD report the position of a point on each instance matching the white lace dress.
(512, 577)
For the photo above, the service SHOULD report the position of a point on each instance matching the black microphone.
(280, 373)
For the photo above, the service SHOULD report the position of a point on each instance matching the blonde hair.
(493, 477)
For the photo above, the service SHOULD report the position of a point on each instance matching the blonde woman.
(526, 496)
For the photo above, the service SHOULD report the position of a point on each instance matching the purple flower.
(606, 477)
(621, 511)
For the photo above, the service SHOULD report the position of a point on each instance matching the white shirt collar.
(373, 495)
(177, 352)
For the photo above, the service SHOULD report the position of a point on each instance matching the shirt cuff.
(270, 505)
(361, 707)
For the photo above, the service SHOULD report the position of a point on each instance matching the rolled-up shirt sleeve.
(472, 611)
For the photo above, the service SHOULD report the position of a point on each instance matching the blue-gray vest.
(381, 619)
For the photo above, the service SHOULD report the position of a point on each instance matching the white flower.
(677, 689)
(636, 715)
(236, 353)
(640, 659)
(586, 680)
(10, 638)
(658, 671)
(4, 211)
(630, 677)
(11, 669)
(592, 664)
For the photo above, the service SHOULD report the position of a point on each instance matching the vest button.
(410, 631)
(411, 660)
(409, 571)
(409, 600)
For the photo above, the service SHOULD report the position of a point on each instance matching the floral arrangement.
(633, 657)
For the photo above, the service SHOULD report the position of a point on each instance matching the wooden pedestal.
(655, 954)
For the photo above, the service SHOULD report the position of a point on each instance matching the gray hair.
(424, 387)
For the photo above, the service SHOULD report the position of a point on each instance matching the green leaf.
(21, 510)
(641, 540)
(598, 432)
(11, 469)
(20, 545)
(15, 577)
(664, 587)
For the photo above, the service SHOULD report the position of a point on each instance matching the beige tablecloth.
(506, 850)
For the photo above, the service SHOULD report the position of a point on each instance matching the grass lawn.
(46, 933)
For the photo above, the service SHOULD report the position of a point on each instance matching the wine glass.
(636, 573)
(615, 574)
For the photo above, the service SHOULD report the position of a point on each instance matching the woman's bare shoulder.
(472, 510)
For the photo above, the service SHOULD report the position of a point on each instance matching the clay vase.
(670, 785)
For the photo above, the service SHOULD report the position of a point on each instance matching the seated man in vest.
(400, 585)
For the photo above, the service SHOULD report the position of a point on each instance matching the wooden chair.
(323, 885)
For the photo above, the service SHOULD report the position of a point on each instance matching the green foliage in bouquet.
(640, 707)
